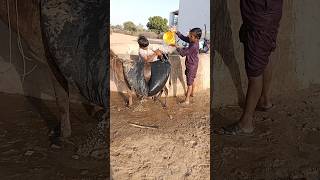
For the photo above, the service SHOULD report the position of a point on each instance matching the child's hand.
(158, 52)
(173, 29)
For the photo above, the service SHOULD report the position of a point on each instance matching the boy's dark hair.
(197, 31)
(143, 41)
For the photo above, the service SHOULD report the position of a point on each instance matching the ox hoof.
(65, 134)
(129, 105)
(55, 146)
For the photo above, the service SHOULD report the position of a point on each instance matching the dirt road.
(176, 147)
(285, 144)
(25, 149)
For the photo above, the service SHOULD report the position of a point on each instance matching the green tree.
(140, 27)
(118, 26)
(157, 24)
(129, 26)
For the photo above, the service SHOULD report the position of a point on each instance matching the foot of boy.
(185, 103)
(185, 94)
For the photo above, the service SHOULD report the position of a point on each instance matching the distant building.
(192, 14)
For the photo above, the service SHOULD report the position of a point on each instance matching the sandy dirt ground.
(176, 147)
(25, 148)
(285, 144)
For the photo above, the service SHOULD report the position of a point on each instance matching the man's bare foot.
(246, 123)
(246, 128)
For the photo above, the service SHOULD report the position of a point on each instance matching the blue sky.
(138, 11)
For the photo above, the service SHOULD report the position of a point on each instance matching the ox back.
(160, 71)
(134, 74)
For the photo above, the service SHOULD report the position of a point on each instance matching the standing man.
(258, 34)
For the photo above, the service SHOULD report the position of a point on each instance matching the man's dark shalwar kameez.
(258, 32)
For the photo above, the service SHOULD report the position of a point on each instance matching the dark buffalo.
(71, 37)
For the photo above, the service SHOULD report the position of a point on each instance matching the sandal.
(264, 109)
(184, 103)
(235, 129)
(191, 95)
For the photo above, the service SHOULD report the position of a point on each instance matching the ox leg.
(158, 97)
(130, 94)
(95, 109)
(166, 93)
(65, 119)
(63, 103)
(91, 108)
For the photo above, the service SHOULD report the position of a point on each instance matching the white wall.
(171, 19)
(194, 14)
